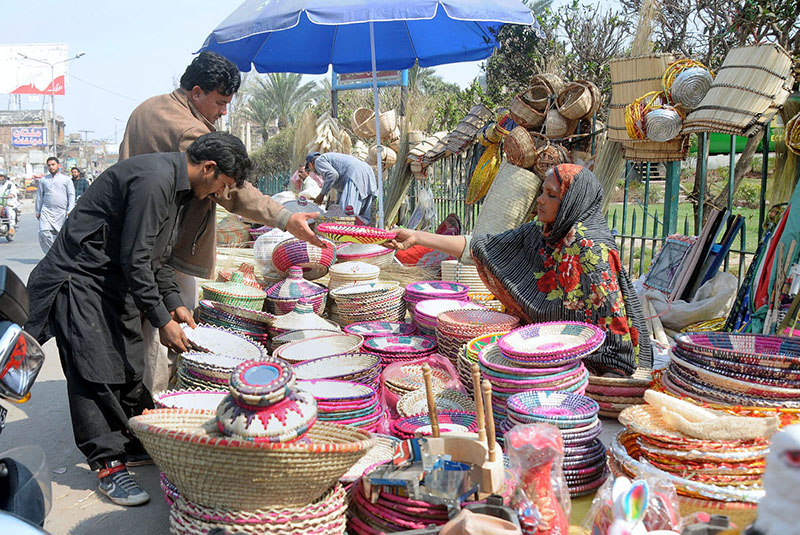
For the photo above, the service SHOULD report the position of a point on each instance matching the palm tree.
(279, 97)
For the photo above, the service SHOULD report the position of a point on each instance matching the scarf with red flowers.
(570, 270)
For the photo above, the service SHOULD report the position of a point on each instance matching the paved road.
(44, 420)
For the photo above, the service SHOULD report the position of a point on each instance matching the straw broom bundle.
(609, 165)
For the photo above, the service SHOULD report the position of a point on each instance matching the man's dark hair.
(75, 169)
(226, 150)
(212, 71)
(53, 158)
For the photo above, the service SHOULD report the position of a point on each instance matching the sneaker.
(116, 483)
(141, 458)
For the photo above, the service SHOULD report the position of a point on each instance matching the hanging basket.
(519, 148)
(575, 101)
(635, 113)
(557, 126)
(364, 123)
(550, 156)
(687, 81)
(388, 123)
(597, 97)
(523, 114)
(663, 124)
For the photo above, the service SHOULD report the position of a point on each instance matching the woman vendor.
(563, 266)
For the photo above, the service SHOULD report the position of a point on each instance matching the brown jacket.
(169, 123)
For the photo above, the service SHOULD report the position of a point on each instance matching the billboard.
(352, 78)
(21, 76)
(29, 137)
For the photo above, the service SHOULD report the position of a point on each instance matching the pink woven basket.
(314, 261)
(354, 233)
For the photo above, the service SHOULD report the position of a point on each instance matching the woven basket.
(523, 114)
(519, 148)
(389, 156)
(243, 475)
(552, 83)
(388, 123)
(509, 200)
(550, 156)
(235, 293)
(364, 122)
(575, 101)
(557, 126)
(314, 260)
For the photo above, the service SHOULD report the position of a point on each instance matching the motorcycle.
(7, 230)
(25, 488)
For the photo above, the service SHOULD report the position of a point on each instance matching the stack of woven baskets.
(549, 115)
(260, 479)
(457, 327)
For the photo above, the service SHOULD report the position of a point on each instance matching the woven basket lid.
(295, 286)
(303, 317)
(360, 250)
(235, 288)
(353, 269)
(261, 383)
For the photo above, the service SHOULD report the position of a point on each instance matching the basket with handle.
(364, 123)
(523, 114)
(240, 474)
(550, 156)
(556, 126)
(544, 84)
(575, 101)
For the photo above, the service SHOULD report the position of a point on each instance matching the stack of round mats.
(723, 470)
(614, 394)
(392, 513)
(225, 342)
(750, 370)
(423, 290)
(206, 371)
(375, 301)
(406, 378)
(243, 320)
(371, 329)
(469, 356)
(393, 349)
(426, 312)
(361, 368)
(449, 422)
(416, 402)
(584, 462)
(457, 327)
(345, 403)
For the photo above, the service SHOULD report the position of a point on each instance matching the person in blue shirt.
(79, 182)
(353, 179)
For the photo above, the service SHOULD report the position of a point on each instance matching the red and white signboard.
(21, 76)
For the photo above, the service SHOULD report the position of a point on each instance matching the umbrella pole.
(377, 125)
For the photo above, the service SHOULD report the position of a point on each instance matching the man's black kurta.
(110, 262)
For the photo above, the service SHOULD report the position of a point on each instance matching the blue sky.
(134, 50)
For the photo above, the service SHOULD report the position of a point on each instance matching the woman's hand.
(405, 239)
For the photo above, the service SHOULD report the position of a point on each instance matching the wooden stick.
(476, 391)
(490, 432)
(434, 418)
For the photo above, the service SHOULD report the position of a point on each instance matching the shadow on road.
(26, 261)
(125, 521)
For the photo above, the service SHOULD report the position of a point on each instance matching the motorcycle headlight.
(21, 358)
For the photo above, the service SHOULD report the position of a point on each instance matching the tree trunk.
(742, 166)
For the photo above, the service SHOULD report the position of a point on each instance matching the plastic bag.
(662, 513)
(389, 399)
(713, 299)
(535, 453)
(425, 212)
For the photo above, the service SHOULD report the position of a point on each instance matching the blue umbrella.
(362, 35)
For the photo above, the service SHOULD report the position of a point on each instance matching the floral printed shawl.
(570, 270)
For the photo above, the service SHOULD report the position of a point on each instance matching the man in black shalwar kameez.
(108, 266)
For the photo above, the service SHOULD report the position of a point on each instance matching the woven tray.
(243, 475)
(354, 234)
(552, 339)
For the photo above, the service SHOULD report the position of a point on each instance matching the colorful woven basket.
(321, 346)
(314, 261)
(354, 233)
(225, 342)
(235, 293)
(544, 341)
(371, 329)
(245, 475)
(357, 367)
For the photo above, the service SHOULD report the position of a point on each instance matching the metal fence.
(272, 184)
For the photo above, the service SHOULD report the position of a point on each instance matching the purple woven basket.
(552, 341)
(553, 405)
(756, 349)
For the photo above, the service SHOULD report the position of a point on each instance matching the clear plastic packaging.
(535, 453)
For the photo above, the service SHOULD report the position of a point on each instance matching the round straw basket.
(238, 474)
(523, 114)
(519, 148)
(550, 156)
(557, 126)
(662, 124)
(364, 122)
(552, 82)
(597, 97)
(388, 123)
(539, 97)
(389, 156)
(575, 101)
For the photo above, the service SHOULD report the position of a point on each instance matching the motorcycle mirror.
(21, 359)
(14, 304)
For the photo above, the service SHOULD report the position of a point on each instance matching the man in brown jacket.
(170, 123)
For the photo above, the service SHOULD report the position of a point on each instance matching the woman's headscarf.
(570, 270)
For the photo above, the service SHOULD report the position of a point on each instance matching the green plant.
(276, 154)
(748, 194)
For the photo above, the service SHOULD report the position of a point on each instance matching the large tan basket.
(545, 84)
(519, 148)
(575, 101)
(523, 114)
(364, 123)
(630, 79)
(557, 126)
(752, 83)
(229, 473)
(509, 200)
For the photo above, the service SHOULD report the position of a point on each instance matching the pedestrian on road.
(79, 182)
(168, 123)
(353, 179)
(55, 199)
(109, 265)
(9, 197)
